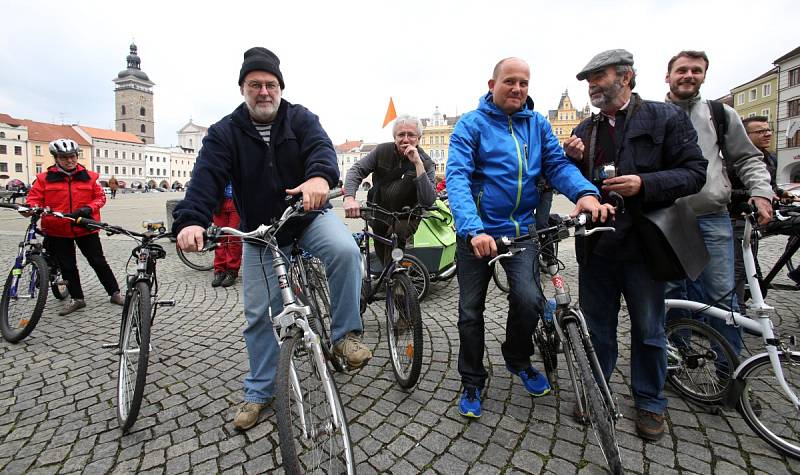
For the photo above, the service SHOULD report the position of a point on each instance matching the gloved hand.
(82, 212)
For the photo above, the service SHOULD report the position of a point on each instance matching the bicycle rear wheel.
(320, 302)
(765, 407)
(404, 330)
(24, 297)
(500, 278)
(133, 354)
(202, 260)
(599, 411)
(700, 361)
(418, 274)
(312, 428)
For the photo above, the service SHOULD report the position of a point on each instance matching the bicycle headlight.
(397, 254)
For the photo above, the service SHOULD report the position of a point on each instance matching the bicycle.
(312, 427)
(403, 317)
(203, 259)
(764, 387)
(25, 291)
(138, 313)
(568, 330)
(785, 223)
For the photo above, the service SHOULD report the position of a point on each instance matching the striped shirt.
(264, 131)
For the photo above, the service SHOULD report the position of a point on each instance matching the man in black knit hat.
(268, 148)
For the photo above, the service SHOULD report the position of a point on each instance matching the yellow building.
(435, 140)
(758, 97)
(566, 117)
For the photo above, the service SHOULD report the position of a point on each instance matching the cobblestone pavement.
(57, 403)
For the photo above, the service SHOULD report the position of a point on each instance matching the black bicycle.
(567, 329)
(403, 318)
(786, 222)
(138, 314)
(25, 290)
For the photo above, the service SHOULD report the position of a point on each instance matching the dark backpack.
(739, 192)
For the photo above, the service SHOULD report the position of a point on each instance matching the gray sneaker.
(355, 353)
(73, 305)
(247, 415)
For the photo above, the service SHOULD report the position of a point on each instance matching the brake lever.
(584, 232)
(510, 253)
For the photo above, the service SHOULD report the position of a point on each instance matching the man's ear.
(492, 82)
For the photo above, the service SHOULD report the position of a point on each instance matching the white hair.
(407, 119)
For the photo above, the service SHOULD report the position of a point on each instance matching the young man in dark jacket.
(268, 148)
(653, 149)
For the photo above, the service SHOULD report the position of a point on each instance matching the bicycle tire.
(547, 343)
(789, 263)
(418, 274)
(202, 261)
(57, 284)
(19, 316)
(134, 352)
(500, 278)
(404, 330)
(765, 407)
(600, 415)
(320, 302)
(700, 361)
(322, 447)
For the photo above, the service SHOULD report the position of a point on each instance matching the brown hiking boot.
(247, 415)
(73, 305)
(355, 353)
(116, 298)
(649, 425)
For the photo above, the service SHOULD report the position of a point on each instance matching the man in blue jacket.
(497, 154)
(268, 148)
(653, 149)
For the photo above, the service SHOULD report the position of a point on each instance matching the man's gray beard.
(263, 118)
(608, 96)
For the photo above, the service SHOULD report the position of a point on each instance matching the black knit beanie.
(261, 59)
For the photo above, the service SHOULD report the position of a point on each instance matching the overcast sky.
(343, 59)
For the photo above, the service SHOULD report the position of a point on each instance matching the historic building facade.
(566, 117)
(758, 97)
(788, 117)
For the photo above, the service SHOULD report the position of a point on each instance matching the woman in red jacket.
(70, 188)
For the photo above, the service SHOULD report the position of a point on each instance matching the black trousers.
(63, 251)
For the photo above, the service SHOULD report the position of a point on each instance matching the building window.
(18, 167)
(2, 135)
(794, 77)
(793, 108)
(17, 150)
(3, 167)
(766, 90)
(38, 168)
(106, 169)
(116, 153)
(140, 171)
(97, 168)
(123, 154)
(753, 94)
(124, 170)
(124, 128)
(141, 112)
(151, 172)
(116, 170)
(3, 150)
(105, 153)
(765, 113)
(123, 113)
(97, 152)
(142, 128)
(740, 98)
(794, 141)
(37, 149)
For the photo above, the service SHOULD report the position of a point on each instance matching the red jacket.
(66, 193)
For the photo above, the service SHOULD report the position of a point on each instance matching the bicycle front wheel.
(24, 297)
(766, 408)
(312, 429)
(133, 354)
(404, 328)
(700, 361)
(418, 274)
(599, 411)
(320, 302)
(500, 278)
(202, 260)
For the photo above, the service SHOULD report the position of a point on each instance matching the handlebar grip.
(86, 222)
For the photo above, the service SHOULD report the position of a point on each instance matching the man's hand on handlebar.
(315, 192)
(191, 238)
(352, 208)
(591, 204)
(764, 207)
(483, 245)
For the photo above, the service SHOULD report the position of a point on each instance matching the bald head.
(509, 84)
(499, 66)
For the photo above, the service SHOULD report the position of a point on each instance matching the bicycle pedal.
(108, 346)
(166, 303)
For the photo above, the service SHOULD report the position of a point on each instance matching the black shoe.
(229, 279)
(218, 278)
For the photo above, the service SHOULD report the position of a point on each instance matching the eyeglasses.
(256, 86)
(761, 132)
(68, 157)
(410, 135)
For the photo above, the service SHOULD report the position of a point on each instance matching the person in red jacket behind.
(70, 188)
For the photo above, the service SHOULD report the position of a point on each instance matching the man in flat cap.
(647, 152)
(726, 146)
(268, 148)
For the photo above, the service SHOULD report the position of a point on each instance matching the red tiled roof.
(349, 145)
(44, 132)
(106, 134)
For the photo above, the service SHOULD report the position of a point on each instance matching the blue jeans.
(602, 282)
(543, 209)
(715, 285)
(525, 304)
(330, 240)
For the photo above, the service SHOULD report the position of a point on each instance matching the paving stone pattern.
(57, 397)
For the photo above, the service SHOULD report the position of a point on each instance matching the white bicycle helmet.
(63, 147)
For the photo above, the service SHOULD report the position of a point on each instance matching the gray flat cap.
(602, 60)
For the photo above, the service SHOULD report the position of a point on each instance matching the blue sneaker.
(535, 382)
(470, 403)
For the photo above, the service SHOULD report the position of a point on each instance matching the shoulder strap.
(720, 119)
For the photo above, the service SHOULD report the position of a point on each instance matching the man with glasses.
(402, 175)
(268, 148)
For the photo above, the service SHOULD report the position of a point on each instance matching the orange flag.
(391, 114)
